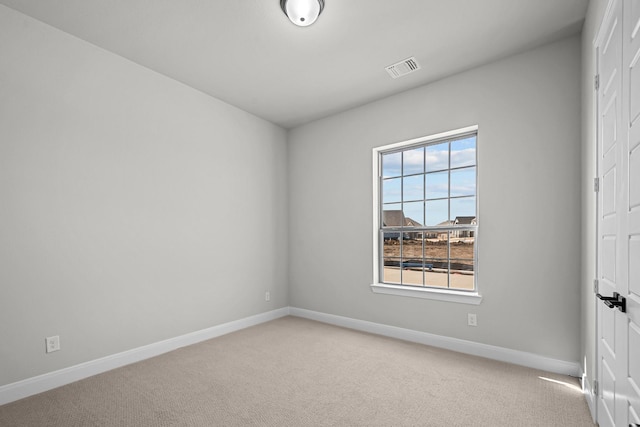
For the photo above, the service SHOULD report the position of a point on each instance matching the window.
(425, 217)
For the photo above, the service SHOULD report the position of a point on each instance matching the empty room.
(319, 212)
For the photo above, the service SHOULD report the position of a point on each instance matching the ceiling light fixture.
(302, 12)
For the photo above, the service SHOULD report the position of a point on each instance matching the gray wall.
(528, 111)
(595, 14)
(133, 208)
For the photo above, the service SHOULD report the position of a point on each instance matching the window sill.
(428, 293)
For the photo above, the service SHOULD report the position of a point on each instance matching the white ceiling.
(247, 53)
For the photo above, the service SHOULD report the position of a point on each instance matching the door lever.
(616, 300)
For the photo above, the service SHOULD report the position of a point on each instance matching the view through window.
(428, 214)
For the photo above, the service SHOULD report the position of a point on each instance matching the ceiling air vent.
(402, 68)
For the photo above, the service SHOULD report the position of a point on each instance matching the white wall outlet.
(267, 296)
(472, 320)
(52, 343)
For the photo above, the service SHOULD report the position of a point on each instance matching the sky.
(417, 181)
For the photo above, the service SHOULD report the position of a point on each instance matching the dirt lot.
(411, 271)
(436, 251)
(412, 249)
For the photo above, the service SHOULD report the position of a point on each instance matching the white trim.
(428, 293)
(48, 381)
(589, 397)
(423, 139)
(378, 286)
(502, 354)
(592, 400)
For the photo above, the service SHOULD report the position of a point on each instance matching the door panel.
(634, 373)
(608, 334)
(609, 193)
(634, 347)
(634, 176)
(634, 79)
(634, 267)
(608, 253)
(608, 393)
(610, 124)
(632, 48)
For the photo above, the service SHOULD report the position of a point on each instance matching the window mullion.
(401, 234)
(424, 215)
(449, 217)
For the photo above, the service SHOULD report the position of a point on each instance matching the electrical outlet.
(52, 343)
(267, 296)
(472, 320)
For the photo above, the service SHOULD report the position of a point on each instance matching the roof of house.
(396, 218)
(464, 220)
(393, 218)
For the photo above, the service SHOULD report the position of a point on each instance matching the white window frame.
(450, 295)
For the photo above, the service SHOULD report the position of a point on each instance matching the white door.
(631, 152)
(618, 328)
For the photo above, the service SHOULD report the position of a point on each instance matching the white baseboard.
(48, 381)
(469, 347)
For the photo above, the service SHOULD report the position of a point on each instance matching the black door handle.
(616, 300)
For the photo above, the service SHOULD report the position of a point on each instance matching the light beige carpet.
(296, 372)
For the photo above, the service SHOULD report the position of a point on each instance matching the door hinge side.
(595, 388)
(596, 184)
(596, 82)
(595, 286)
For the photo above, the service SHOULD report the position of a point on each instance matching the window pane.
(436, 264)
(463, 182)
(392, 245)
(391, 164)
(437, 157)
(392, 215)
(413, 161)
(461, 279)
(462, 241)
(437, 212)
(391, 190)
(413, 214)
(437, 185)
(462, 245)
(463, 152)
(461, 276)
(462, 256)
(391, 272)
(413, 188)
(463, 207)
(391, 260)
(412, 264)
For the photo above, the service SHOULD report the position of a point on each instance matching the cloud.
(437, 160)
(466, 157)
(436, 156)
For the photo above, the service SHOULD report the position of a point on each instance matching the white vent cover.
(402, 68)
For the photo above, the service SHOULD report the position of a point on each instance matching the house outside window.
(425, 216)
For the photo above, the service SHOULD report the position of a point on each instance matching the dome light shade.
(302, 12)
